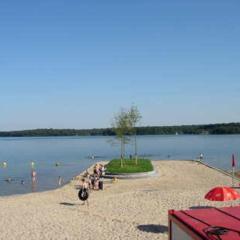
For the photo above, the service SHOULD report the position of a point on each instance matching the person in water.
(32, 164)
(60, 181)
(4, 164)
(33, 175)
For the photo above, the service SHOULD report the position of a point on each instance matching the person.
(83, 193)
(32, 164)
(102, 170)
(96, 170)
(9, 180)
(57, 164)
(60, 181)
(34, 175)
(201, 157)
(86, 173)
(96, 182)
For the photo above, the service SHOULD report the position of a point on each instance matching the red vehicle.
(205, 223)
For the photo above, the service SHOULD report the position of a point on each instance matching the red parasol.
(222, 194)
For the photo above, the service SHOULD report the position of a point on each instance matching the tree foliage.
(134, 118)
(122, 128)
(220, 128)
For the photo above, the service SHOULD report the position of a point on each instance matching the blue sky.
(74, 64)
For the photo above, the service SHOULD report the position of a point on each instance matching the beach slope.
(127, 209)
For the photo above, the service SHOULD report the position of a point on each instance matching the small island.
(129, 166)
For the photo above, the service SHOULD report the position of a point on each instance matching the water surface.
(73, 155)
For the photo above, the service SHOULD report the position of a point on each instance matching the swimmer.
(33, 175)
(32, 164)
(8, 179)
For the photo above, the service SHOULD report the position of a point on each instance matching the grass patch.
(129, 166)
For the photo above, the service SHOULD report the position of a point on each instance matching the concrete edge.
(217, 169)
(132, 175)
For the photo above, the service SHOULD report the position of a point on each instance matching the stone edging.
(131, 175)
(217, 169)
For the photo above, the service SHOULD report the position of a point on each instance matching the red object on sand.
(222, 194)
(205, 224)
(233, 161)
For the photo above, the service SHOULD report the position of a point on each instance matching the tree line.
(222, 128)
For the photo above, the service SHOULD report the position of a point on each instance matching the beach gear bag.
(100, 186)
(83, 194)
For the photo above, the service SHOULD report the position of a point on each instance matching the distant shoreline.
(207, 129)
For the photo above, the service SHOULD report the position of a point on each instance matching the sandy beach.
(127, 209)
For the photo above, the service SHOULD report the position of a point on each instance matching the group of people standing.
(95, 180)
(91, 182)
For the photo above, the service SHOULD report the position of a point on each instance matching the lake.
(68, 156)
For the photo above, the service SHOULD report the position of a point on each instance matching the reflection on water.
(65, 157)
(34, 183)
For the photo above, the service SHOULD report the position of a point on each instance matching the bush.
(129, 166)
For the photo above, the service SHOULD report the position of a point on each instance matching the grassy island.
(129, 166)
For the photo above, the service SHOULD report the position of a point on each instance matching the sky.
(75, 64)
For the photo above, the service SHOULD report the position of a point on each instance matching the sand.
(127, 209)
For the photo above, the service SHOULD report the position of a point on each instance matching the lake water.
(73, 155)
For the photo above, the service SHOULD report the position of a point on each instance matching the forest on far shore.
(220, 128)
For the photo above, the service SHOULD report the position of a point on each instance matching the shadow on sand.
(67, 204)
(152, 228)
(200, 207)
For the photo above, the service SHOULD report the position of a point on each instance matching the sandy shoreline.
(127, 209)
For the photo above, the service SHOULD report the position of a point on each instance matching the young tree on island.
(122, 127)
(134, 118)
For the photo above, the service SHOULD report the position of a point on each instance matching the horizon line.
(180, 125)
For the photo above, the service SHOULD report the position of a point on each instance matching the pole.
(233, 169)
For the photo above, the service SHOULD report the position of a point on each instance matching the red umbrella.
(222, 194)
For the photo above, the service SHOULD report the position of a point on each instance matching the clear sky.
(74, 64)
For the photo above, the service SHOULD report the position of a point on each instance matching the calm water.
(73, 155)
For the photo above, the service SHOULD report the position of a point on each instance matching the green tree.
(122, 127)
(134, 118)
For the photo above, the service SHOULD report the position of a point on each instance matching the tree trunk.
(121, 159)
(136, 156)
